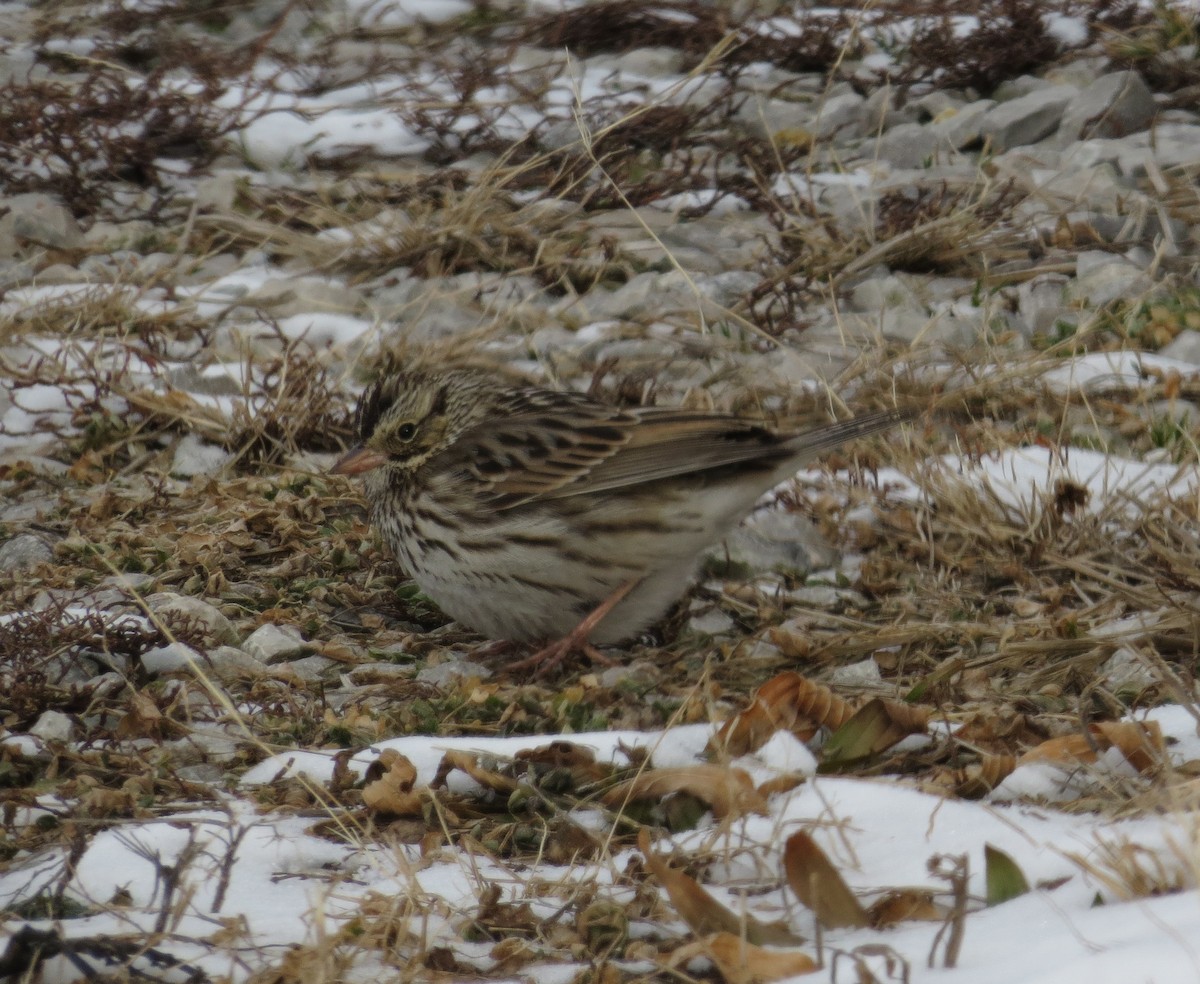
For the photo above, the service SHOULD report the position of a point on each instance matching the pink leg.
(550, 656)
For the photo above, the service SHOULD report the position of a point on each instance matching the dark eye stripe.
(371, 406)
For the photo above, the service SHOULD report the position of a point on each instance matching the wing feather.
(557, 445)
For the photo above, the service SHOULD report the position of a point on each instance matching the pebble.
(23, 551)
(184, 612)
(53, 727)
(35, 222)
(452, 672)
(275, 643)
(175, 657)
(771, 541)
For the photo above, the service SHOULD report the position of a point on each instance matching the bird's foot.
(575, 641)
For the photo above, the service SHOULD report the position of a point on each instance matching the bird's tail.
(817, 440)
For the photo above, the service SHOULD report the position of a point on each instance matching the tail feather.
(817, 440)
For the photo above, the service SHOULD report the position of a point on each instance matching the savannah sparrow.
(522, 511)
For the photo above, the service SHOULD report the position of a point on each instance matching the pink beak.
(356, 461)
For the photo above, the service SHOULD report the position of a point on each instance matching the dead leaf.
(740, 962)
(787, 702)
(1140, 742)
(980, 778)
(468, 762)
(729, 792)
(143, 720)
(579, 761)
(905, 905)
(781, 784)
(875, 727)
(558, 754)
(393, 791)
(701, 911)
(818, 884)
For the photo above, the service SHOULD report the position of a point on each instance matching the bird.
(532, 515)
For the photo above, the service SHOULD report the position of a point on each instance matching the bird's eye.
(406, 431)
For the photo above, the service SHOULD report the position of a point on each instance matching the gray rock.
(204, 742)
(23, 551)
(275, 643)
(1168, 145)
(1114, 106)
(964, 127)
(1185, 347)
(933, 104)
(175, 657)
(639, 673)
(313, 669)
(302, 295)
(826, 596)
(37, 221)
(908, 145)
(1025, 120)
(1041, 302)
(841, 116)
(231, 663)
(881, 293)
(53, 726)
(1021, 86)
(18, 65)
(771, 540)
(204, 772)
(1100, 278)
(452, 672)
(763, 118)
(862, 675)
(179, 612)
(712, 622)
(881, 112)
(217, 192)
(1126, 672)
(647, 62)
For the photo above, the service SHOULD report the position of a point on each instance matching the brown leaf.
(468, 762)
(701, 911)
(905, 905)
(1140, 742)
(980, 778)
(729, 792)
(875, 727)
(787, 702)
(740, 962)
(143, 720)
(818, 884)
(558, 754)
(579, 761)
(393, 791)
(781, 784)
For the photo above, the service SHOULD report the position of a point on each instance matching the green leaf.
(1005, 880)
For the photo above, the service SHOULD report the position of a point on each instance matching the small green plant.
(1170, 432)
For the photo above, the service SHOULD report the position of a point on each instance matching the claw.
(575, 641)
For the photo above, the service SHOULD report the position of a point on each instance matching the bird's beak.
(356, 461)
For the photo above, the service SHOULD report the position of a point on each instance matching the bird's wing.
(578, 446)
